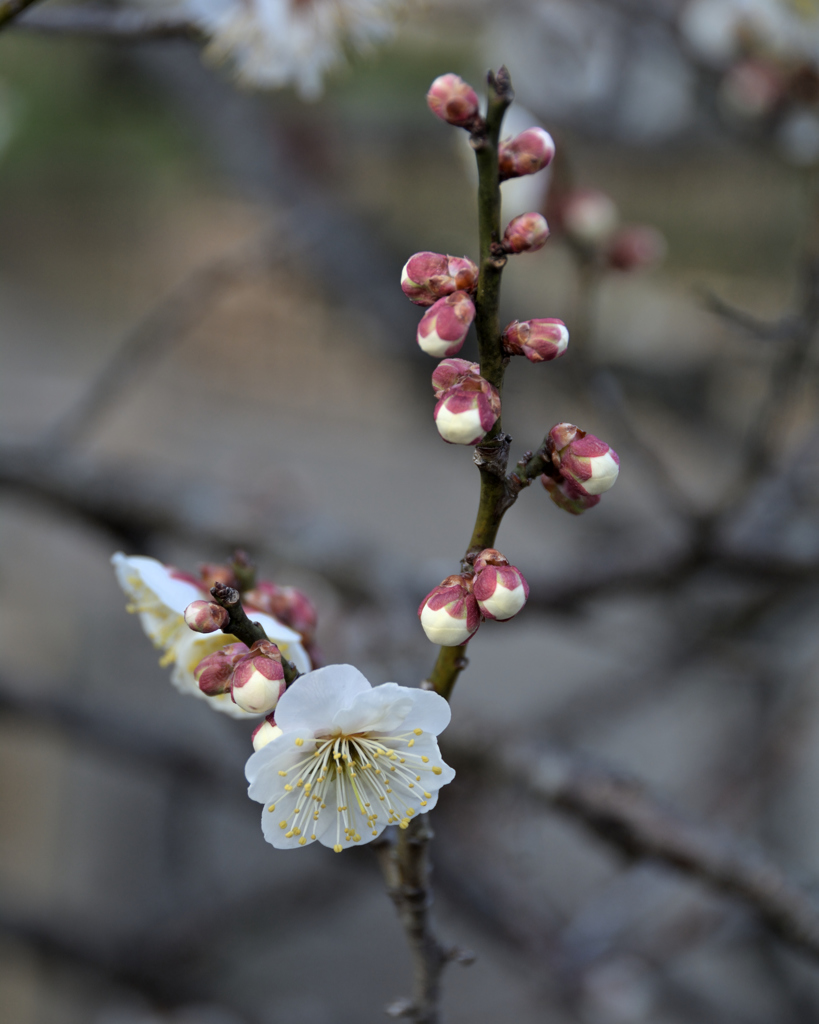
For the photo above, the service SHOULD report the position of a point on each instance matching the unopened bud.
(538, 340)
(568, 497)
(205, 616)
(467, 411)
(453, 100)
(444, 326)
(526, 233)
(429, 276)
(258, 679)
(214, 672)
(636, 247)
(499, 588)
(265, 733)
(526, 153)
(452, 371)
(583, 459)
(287, 604)
(217, 572)
(449, 613)
(589, 217)
(751, 89)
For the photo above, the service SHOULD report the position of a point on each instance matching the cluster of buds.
(468, 406)
(584, 466)
(430, 276)
(253, 676)
(451, 613)
(538, 340)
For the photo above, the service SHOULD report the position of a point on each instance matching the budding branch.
(240, 626)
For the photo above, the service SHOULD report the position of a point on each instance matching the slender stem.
(246, 631)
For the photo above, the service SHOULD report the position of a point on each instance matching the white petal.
(176, 594)
(429, 712)
(441, 628)
(380, 709)
(504, 604)
(604, 473)
(275, 630)
(459, 427)
(312, 701)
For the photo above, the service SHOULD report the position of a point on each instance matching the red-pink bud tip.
(443, 328)
(587, 464)
(538, 340)
(206, 617)
(449, 613)
(636, 247)
(453, 100)
(526, 153)
(526, 233)
(429, 276)
(568, 497)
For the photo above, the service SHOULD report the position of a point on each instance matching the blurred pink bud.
(444, 326)
(589, 217)
(499, 588)
(258, 679)
(452, 371)
(526, 233)
(429, 276)
(467, 411)
(287, 604)
(212, 573)
(751, 89)
(213, 673)
(453, 100)
(526, 153)
(636, 247)
(265, 733)
(568, 497)
(205, 616)
(449, 613)
(538, 340)
(588, 463)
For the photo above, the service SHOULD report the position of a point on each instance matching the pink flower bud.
(499, 588)
(287, 604)
(265, 733)
(752, 89)
(451, 99)
(213, 673)
(217, 572)
(636, 247)
(205, 616)
(589, 217)
(449, 613)
(568, 497)
(584, 460)
(526, 153)
(526, 233)
(467, 411)
(258, 679)
(444, 326)
(538, 340)
(429, 276)
(452, 371)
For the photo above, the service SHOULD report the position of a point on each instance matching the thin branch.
(12, 9)
(240, 626)
(123, 26)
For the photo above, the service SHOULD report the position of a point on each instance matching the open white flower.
(351, 759)
(160, 596)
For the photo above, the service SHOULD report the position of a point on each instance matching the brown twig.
(240, 626)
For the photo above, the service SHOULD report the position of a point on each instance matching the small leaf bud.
(466, 412)
(568, 497)
(526, 233)
(258, 679)
(205, 616)
(444, 326)
(453, 100)
(526, 153)
(452, 371)
(589, 217)
(636, 247)
(499, 588)
(214, 672)
(590, 464)
(538, 340)
(265, 733)
(429, 276)
(449, 613)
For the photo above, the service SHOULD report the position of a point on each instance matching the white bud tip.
(265, 734)
(442, 629)
(604, 473)
(259, 695)
(459, 427)
(504, 604)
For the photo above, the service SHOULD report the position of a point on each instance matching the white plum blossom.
(351, 759)
(160, 596)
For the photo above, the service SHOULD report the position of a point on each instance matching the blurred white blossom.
(718, 29)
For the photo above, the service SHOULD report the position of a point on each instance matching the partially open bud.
(583, 459)
(258, 679)
(526, 153)
(467, 411)
(213, 674)
(589, 217)
(526, 233)
(636, 247)
(429, 276)
(205, 616)
(444, 326)
(449, 613)
(538, 340)
(287, 604)
(453, 100)
(265, 733)
(568, 497)
(499, 588)
(453, 371)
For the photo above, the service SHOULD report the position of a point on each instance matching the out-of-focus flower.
(751, 89)
(583, 460)
(538, 340)
(798, 138)
(589, 217)
(287, 604)
(636, 247)
(449, 613)
(527, 233)
(526, 153)
(499, 588)
(275, 43)
(160, 594)
(444, 327)
(429, 276)
(351, 759)
(453, 100)
(722, 29)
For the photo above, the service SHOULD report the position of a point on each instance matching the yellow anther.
(299, 742)
(417, 731)
(356, 838)
(436, 770)
(282, 824)
(403, 824)
(382, 798)
(423, 803)
(403, 760)
(338, 848)
(282, 773)
(300, 783)
(272, 807)
(411, 743)
(374, 832)
(411, 785)
(289, 835)
(323, 806)
(302, 841)
(424, 758)
(313, 836)
(410, 811)
(417, 778)
(316, 816)
(308, 786)
(428, 795)
(288, 787)
(297, 831)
